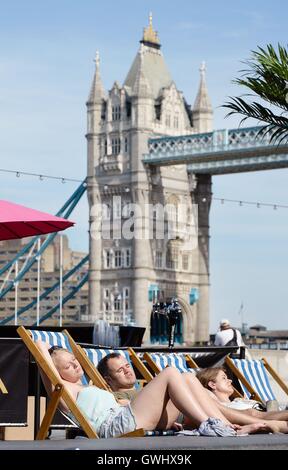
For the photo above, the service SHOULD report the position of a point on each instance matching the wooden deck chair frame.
(246, 383)
(60, 392)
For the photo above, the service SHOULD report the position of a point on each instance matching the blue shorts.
(121, 420)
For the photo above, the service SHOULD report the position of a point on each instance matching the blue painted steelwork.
(65, 212)
(78, 193)
(218, 145)
(65, 299)
(193, 296)
(46, 292)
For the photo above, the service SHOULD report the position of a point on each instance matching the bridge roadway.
(219, 152)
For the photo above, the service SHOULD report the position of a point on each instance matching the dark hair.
(55, 348)
(103, 367)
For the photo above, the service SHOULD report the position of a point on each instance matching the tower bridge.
(219, 152)
(146, 145)
(143, 136)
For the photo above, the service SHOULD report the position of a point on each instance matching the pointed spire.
(202, 101)
(141, 85)
(97, 92)
(150, 37)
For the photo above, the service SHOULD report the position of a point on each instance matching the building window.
(116, 112)
(126, 145)
(128, 258)
(176, 121)
(172, 259)
(115, 145)
(126, 298)
(118, 259)
(185, 261)
(108, 259)
(117, 302)
(106, 211)
(168, 120)
(159, 259)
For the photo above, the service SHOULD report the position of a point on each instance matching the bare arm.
(44, 347)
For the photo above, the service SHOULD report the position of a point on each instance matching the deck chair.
(62, 339)
(184, 362)
(253, 378)
(160, 360)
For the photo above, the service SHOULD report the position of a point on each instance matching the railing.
(209, 142)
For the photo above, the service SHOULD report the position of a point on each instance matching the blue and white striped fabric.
(177, 360)
(54, 338)
(95, 355)
(255, 373)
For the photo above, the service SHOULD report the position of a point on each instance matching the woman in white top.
(217, 382)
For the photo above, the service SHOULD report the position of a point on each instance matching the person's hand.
(177, 426)
(42, 345)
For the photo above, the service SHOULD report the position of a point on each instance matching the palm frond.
(266, 76)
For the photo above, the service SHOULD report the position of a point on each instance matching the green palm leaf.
(266, 78)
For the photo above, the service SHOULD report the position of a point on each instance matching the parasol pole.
(61, 281)
(16, 293)
(38, 281)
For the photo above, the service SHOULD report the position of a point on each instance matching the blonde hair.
(209, 374)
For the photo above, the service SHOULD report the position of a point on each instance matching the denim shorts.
(121, 420)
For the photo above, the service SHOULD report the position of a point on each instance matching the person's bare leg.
(208, 404)
(278, 415)
(150, 405)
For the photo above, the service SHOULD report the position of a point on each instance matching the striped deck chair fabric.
(177, 360)
(95, 355)
(256, 374)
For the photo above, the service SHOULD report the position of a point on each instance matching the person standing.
(228, 336)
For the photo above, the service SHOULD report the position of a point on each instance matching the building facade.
(74, 310)
(149, 229)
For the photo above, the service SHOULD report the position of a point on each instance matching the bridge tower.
(128, 273)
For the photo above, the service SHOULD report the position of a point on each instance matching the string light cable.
(62, 179)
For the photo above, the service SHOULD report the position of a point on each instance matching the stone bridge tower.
(128, 273)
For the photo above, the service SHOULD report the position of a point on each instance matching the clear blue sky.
(46, 69)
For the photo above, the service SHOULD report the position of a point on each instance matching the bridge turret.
(202, 109)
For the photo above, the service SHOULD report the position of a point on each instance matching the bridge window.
(118, 259)
(176, 121)
(168, 120)
(127, 257)
(116, 112)
(172, 259)
(117, 302)
(107, 259)
(185, 261)
(159, 259)
(115, 145)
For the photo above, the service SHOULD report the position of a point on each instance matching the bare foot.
(253, 428)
